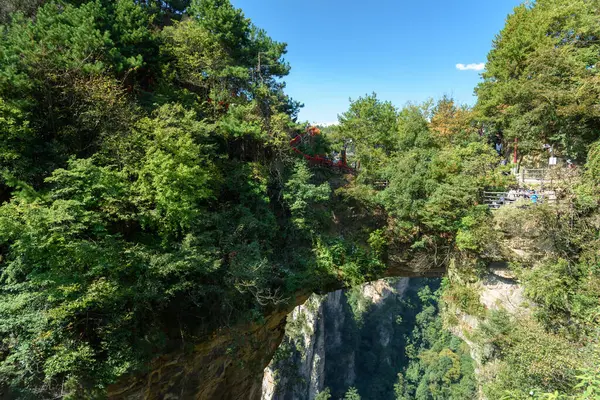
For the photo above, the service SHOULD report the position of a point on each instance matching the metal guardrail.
(495, 200)
(546, 182)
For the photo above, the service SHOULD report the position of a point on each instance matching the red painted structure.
(320, 160)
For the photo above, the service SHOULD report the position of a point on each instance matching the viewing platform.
(534, 186)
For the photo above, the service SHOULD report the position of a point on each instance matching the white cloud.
(471, 67)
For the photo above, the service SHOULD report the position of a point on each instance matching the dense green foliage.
(553, 349)
(433, 166)
(352, 394)
(380, 337)
(439, 365)
(149, 195)
(541, 86)
(541, 83)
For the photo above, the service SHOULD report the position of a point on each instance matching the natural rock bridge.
(228, 364)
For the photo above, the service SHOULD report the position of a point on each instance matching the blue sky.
(402, 50)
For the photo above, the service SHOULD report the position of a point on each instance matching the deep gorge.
(171, 224)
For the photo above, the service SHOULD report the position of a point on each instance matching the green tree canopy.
(541, 78)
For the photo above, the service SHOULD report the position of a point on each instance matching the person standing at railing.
(533, 197)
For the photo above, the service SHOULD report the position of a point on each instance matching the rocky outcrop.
(498, 289)
(501, 290)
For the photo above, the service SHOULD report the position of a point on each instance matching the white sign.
(552, 161)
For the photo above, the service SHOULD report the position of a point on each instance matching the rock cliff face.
(320, 346)
(227, 365)
(498, 289)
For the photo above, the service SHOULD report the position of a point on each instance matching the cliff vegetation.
(152, 197)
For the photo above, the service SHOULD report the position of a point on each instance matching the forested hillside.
(147, 186)
(541, 89)
(151, 196)
(541, 79)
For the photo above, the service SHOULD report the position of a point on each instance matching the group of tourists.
(517, 194)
